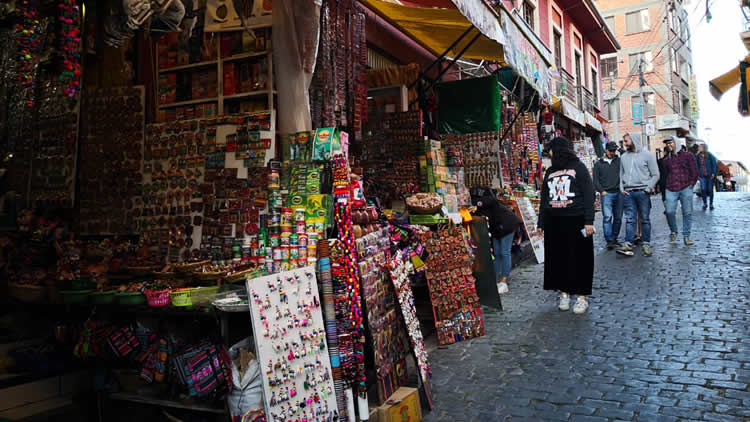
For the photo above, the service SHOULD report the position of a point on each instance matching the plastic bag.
(247, 389)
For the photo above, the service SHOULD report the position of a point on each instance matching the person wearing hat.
(566, 217)
(607, 183)
(682, 173)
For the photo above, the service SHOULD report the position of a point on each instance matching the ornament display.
(70, 46)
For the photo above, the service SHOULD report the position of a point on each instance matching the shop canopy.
(438, 24)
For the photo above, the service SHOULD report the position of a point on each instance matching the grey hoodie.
(638, 170)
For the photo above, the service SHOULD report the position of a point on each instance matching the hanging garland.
(28, 40)
(70, 43)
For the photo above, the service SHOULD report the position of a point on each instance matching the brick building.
(654, 34)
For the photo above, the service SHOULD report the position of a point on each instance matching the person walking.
(682, 173)
(607, 183)
(639, 173)
(707, 169)
(566, 217)
(503, 226)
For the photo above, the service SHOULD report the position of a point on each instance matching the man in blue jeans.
(707, 170)
(639, 173)
(682, 173)
(607, 182)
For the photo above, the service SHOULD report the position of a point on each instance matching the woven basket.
(239, 276)
(181, 297)
(189, 267)
(27, 293)
(415, 203)
(209, 275)
(157, 298)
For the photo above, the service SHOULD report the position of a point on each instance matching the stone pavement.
(666, 338)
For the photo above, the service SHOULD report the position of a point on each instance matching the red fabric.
(682, 171)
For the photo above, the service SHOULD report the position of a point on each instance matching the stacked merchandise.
(338, 93)
(451, 283)
(347, 285)
(480, 153)
(111, 157)
(386, 328)
(448, 182)
(388, 154)
(298, 383)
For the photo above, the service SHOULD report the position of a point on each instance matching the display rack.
(219, 64)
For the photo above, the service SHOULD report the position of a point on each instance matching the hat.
(611, 146)
(669, 139)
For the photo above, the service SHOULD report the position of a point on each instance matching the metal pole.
(643, 105)
(612, 103)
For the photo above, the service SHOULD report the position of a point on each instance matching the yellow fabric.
(437, 29)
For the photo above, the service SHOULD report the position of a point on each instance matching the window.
(577, 63)
(635, 60)
(557, 18)
(610, 23)
(609, 67)
(676, 103)
(637, 21)
(595, 87)
(612, 109)
(686, 106)
(673, 60)
(528, 14)
(558, 49)
(649, 108)
(683, 67)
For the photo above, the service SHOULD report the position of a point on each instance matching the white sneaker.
(580, 306)
(564, 302)
(502, 288)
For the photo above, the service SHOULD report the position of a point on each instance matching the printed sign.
(530, 220)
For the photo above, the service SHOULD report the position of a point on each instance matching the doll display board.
(291, 347)
(530, 221)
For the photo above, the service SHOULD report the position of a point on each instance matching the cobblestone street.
(666, 338)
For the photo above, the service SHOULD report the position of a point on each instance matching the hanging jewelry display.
(29, 35)
(70, 46)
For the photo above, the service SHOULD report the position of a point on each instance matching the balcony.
(589, 101)
(566, 87)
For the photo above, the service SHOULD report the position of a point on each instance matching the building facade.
(656, 57)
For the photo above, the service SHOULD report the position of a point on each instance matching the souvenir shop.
(215, 211)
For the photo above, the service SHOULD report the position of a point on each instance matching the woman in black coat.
(503, 225)
(566, 215)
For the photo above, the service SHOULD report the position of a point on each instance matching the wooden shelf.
(136, 398)
(247, 95)
(191, 102)
(189, 66)
(246, 56)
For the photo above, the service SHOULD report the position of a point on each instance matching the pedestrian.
(707, 170)
(503, 226)
(566, 217)
(639, 173)
(682, 173)
(607, 183)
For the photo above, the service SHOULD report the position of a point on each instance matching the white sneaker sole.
(502, 288)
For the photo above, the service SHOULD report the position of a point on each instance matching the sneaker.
(689, 242)
(502, 288)
(611, 245)
(637, 241)
(646, 249)
(580, 306)
(705, 207)
(711, 207)
(626, 249)
(564, 302)
(673, 237)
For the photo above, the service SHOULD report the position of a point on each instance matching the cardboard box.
(403, 405)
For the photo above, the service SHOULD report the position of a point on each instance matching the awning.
(437, 29)
(570, 111)
(592, 122)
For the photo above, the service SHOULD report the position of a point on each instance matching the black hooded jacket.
(502, 221)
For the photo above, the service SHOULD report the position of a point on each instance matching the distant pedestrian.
(566, 215)
(639, 173)
(503, 226)
(607, 183)
(707, 169)
(682, 174)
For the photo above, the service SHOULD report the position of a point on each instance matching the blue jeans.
(641, 201)
(503, 262)
(612, 215)
(707, 189)
(685, 197)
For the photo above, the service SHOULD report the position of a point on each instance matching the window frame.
(640, 29)
(552, 6)
(609, 106)
(650, 62)
(644, 111)
(612, 27)
(603, 60)
(533, 4)
(573, 50)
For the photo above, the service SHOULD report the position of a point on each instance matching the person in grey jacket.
(639, 173)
